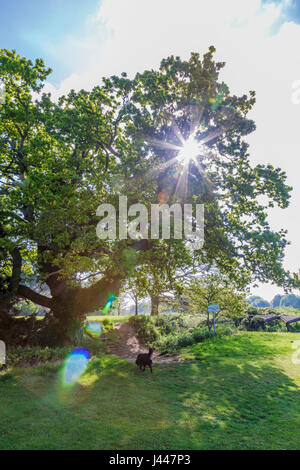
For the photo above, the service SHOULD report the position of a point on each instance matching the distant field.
(113, 318)
(234, 392)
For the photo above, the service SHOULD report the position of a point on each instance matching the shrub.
(146, 329)
(294, 327)
(275, 325)
(252, 324)
(32, 355)
(180, 339)
(107, 325)
(46, 335)
(255, 323)
(18, 355)
(168, 333)
(253, 311)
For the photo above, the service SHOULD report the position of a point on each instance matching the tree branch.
(27, 293)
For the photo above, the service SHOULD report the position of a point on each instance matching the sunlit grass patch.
(242, 344)
(248, 399)
(113, 318)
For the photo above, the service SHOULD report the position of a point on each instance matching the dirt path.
(128, 346)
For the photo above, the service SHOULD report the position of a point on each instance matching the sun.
(189, 151)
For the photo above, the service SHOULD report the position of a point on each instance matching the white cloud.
(131, 35)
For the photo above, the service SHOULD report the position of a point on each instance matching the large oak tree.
(59, 161)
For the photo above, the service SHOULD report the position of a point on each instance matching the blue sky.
(33, 26)
(291, 9)
(84, 40)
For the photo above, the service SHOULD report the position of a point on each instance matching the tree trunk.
(136, 306)
(208, 323)
(154, 304)
(4, 308)
(69, 305)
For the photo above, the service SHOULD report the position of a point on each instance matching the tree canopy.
(60, 160)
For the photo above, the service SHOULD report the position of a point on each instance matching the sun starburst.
(189, 151)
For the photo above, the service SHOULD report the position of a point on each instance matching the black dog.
(144, 360)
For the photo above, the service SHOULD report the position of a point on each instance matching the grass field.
(235, 392)
(113, 318)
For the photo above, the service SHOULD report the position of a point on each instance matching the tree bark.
(69, 305)
(4, 308)
(154, 304)
(29, 294)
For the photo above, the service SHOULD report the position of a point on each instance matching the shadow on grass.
(233, 406)
(228, 404)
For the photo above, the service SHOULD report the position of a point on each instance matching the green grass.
(113, 318)
(234, 392)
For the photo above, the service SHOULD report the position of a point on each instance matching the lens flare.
(189, 151)
(75, 365)
(108, 304)
(94, 328)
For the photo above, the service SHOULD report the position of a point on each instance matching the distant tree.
(135, 292)
(215, 289)
(252, 298)
(276, 301)
(158, 272)
(258, 302)
(290, 300)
